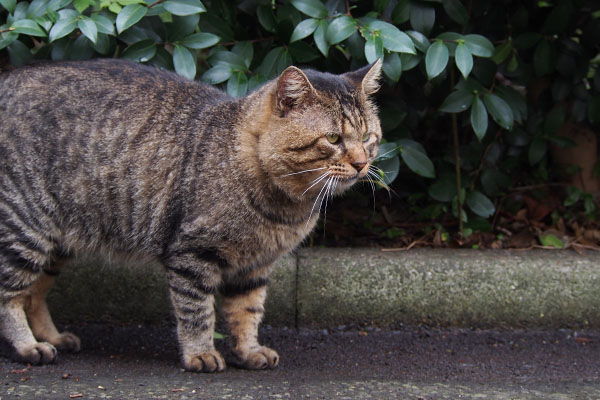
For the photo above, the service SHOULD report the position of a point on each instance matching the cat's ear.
(293, 89)
(367, 77)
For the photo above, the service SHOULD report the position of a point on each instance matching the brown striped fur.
(112, 157)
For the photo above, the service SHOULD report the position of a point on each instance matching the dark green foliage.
(456, 68)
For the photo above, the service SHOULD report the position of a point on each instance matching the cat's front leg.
(192, 284)
(243, 300)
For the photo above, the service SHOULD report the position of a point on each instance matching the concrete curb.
(330, 287)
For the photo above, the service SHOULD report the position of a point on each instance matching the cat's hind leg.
(243, 307)
(39, 318)
(15, 284)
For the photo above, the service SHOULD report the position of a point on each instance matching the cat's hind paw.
(38, 354)
(67, 341)
(209, 361)
(259, 358)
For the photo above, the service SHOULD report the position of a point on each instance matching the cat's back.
(100, 83)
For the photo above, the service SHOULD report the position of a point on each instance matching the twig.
(251, 41)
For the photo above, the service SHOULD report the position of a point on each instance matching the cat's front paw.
(67, 341)
(209, 361)
(258, 358)
(39, 353)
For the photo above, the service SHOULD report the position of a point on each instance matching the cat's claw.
(260, 358)
(210, 361)
(38, 354)
(67, 341)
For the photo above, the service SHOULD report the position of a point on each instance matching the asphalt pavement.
(141, 362)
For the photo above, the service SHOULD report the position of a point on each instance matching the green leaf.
(420, 41)
(200, 40)
(217, 74)
(129, 16)
(303, 52)
(463, 59)
(141, 51)
(9, 5)
(184, 7)
(392, 67)
(479, 118)
(184, 62)
(304, 29)
(401, 12)
(515, 100)
(480, 204)
(422, 17)
(312, 8)
(502, 52)
(443, 190)
(527, 40)
(320, 39)
(457, 101)
(227, 57)
(493, 181)
(103, 24)
(544, 58)
(558, 19)
(409, 61)
(28, 27)
(340, 29)
(550, 240)
(537, 150)
(390, 168)
(81, 5)
(88, 28)
(62, 28)
(594, 110)
(37, 8)
(18, 53)
(417, 161)
(266, 18)
(573, 196)
(245, 51)
(479, 45)
(387, 150)
(436, 58)
(237, 85)
(456, 11)
(500, 111)
(393, 38)
(373, 49)
(275, 62)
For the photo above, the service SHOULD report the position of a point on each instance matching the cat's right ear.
(293, 90)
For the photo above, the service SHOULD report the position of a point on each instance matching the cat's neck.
(265, 196)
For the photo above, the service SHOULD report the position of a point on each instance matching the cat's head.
(323, 131)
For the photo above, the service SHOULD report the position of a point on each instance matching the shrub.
(456, 71)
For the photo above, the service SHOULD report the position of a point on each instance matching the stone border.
(331, 287)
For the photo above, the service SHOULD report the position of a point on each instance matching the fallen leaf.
(582, 340)
(66, 376)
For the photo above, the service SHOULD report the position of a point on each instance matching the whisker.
(316, 181)
(316, 199)
(302, 172)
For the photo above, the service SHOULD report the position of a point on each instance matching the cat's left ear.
(367, 77)
(293, 89)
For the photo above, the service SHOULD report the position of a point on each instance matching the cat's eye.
(366, 136)
(333, 137)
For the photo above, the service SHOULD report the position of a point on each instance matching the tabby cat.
(112, 157)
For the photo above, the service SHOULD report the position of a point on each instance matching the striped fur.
(112, 157)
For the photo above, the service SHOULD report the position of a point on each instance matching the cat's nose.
(359, 165)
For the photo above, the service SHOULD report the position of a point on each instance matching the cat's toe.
(39, 353)
(67, 341)
(210, 361)
(261, 358)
